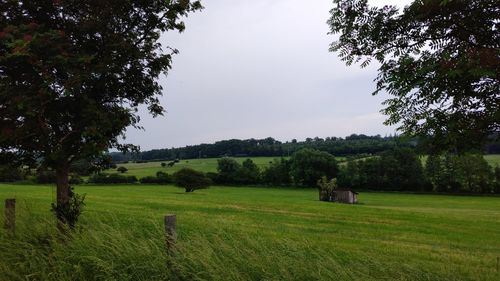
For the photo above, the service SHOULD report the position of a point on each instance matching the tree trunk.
(62, 183)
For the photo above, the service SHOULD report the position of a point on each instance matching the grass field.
(204, 165)
(239, 233)
(493, 159)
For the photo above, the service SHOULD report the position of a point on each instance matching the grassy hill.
(239, 233)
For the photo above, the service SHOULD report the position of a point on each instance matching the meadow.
(244, 233)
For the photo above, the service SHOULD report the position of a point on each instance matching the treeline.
(351, 145)
(399, 169)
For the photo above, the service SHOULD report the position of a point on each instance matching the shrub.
(160, 178)
(112, 179)
(9, 173)
(191, 180)
(122, 169)
(163, 164)
(45, 176)
(76, 179)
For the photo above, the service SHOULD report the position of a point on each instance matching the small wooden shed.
(345, 196)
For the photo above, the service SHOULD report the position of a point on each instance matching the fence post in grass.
(10, 215)
(170, 231)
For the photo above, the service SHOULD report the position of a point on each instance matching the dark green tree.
(309, 165)
(191, 180)
(228, 170)
(439, 60)
(277, 173)
(122, 169)
(248, 173)
(73, 74)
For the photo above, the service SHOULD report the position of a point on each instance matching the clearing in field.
(241, 233)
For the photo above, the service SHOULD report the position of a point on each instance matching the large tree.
(73, 74)
(439, 60)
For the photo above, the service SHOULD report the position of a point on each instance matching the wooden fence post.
(10, 215)
(170, 231)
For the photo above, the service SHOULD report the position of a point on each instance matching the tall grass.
(252, 234)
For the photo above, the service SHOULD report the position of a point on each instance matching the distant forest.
(348, 146)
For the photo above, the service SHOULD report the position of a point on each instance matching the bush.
(191, 180)
(122, 169)
(111, 179)
(160, 178)
(10, 173)
(76, 179)
(45, 176)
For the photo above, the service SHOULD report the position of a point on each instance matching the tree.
(440, 62)
(122, 169)
(248, 173)
(228, 170)
(73, 74)
(277, 173)
(191, 180)
(309, 165)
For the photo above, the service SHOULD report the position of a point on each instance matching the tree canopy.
(73, 74)
(439, 60)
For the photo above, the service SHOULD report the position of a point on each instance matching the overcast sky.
(260, 68)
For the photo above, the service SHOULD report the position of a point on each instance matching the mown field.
(241, 233)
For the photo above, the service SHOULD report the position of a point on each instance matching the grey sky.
(259, 68)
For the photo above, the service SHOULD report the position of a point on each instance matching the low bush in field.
(44, 177)
(76, 179)
(160, 178)
(10, 173)
(191, 179)
(111, 179)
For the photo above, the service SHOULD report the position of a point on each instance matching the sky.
(257, 69)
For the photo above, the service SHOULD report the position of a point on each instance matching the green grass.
(493, 159)
(204, 165)
(240, 233)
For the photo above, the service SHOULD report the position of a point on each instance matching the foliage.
(228, 170)
(277, 173)
(248, 173)
(460, 173)
(396, 170)
(232, 172)
(74, 73)
(88, 166)
(309, 165)
(439, 61)
(10, 173)
(45, 176)
(68, 213)
(160, 178)
(111, 179)
(191, 180)
(121, 169)
(76, 179)
(269, 147)
(326, 188)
